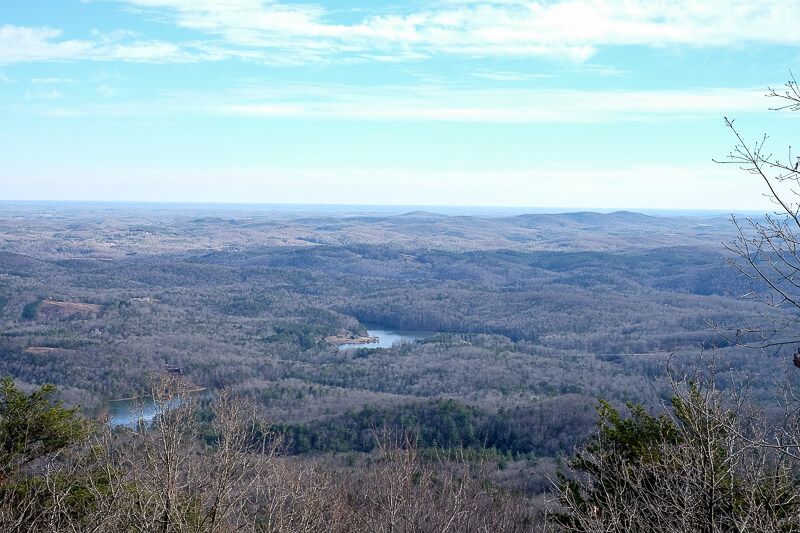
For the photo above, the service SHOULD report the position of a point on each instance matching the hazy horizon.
(389, 209)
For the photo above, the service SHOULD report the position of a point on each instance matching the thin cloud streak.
(486, 105)
(435, 104)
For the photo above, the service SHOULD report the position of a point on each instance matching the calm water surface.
(129, 412)
(388, 337)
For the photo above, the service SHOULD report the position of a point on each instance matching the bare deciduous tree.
(766, 250)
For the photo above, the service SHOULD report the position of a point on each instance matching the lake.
(128, 412)
(388, 337)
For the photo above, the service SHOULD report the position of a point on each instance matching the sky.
(550, 103)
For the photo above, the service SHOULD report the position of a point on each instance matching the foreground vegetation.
(218, 471)
(714, 463)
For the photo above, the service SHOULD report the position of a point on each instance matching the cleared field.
(41, 350)
(66, 309)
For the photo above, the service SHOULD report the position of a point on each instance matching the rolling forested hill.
(532, 317)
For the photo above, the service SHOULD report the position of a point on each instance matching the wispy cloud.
(448, 104)
(438, 104)
(20, 44)
(43, 95)
(499, 75)
(571, 29)
(283, 32)
(53, 81)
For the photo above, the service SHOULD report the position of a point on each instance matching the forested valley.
(530, 319)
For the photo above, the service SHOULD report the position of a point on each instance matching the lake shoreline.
(131, 398)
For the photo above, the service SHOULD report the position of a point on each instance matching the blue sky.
(559, 103)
